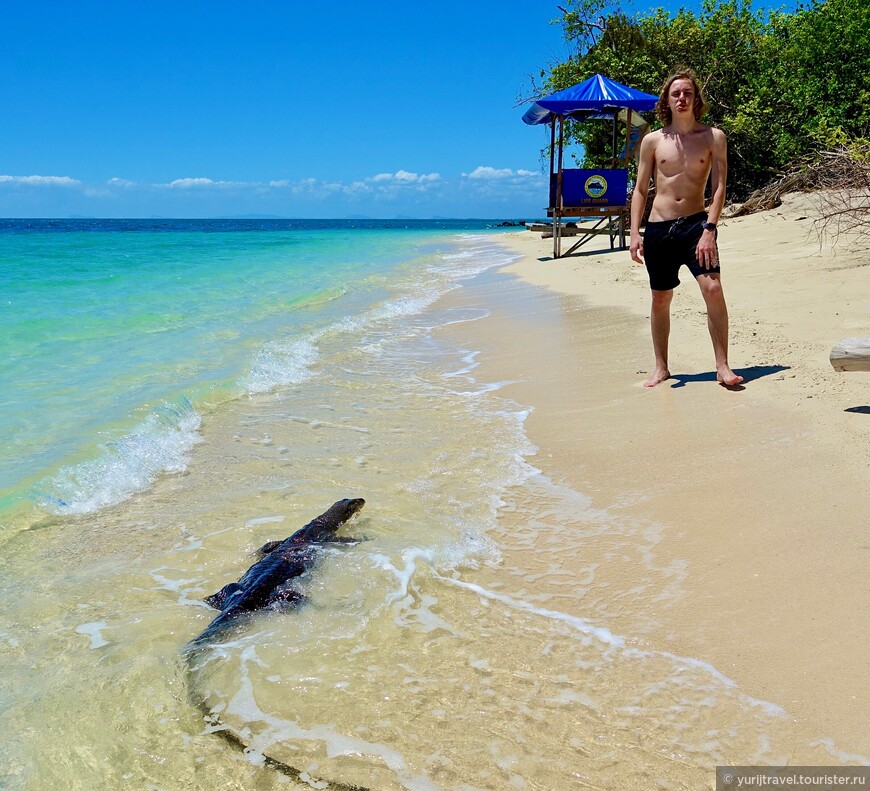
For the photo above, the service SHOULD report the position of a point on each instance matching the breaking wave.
(160, 444)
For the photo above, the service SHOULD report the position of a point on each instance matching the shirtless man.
(681, 157)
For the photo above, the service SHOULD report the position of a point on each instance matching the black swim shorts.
(669, 244)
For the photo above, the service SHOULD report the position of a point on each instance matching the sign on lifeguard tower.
(602, 187)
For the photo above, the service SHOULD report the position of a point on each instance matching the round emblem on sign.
(595, 186)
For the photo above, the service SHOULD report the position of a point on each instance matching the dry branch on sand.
(843, 174)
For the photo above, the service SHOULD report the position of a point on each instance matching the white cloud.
(404, 177)
(306, 185)
(41, 181)
(386, 182)
(198, 182)
(400, 190)
(356, 188)
(205, 183)
(486, 173)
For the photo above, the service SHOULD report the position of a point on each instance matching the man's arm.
(645, 168)
(706, 251)
(718, 175)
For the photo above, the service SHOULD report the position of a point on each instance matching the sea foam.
(293, 360)
(160, 444)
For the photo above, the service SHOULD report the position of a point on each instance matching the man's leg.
(717, 323)
(660, 324)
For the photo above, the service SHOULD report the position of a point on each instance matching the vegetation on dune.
(786, 88)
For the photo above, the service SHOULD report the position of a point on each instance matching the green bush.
(780, 85)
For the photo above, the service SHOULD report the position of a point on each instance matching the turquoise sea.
(178, 393)
(114, 335)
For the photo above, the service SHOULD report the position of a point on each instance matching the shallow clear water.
(444, 650)
(99, 328)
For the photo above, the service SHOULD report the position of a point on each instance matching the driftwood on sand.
(851, 354)
(843, 174)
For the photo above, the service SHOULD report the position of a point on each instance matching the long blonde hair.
(663, 111)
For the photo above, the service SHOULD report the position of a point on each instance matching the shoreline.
(753, 501)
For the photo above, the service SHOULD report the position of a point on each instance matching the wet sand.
(749, 507)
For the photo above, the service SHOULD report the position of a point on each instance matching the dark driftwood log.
(851, 354)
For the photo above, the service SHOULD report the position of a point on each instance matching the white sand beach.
(756, 500)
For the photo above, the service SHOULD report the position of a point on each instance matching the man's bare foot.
(725, 376)
(659, 376)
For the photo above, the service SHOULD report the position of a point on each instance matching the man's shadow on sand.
(749, 375)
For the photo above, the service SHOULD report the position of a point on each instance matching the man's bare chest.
(690, 158)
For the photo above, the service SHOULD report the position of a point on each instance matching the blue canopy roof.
(596, 95)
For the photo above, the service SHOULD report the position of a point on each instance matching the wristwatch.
(709, 226)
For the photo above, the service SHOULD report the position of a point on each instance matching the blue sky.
(314, 109)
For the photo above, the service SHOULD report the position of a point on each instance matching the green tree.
(816, 77)
(780, 85)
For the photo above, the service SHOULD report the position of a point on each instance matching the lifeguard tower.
(591, 194)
